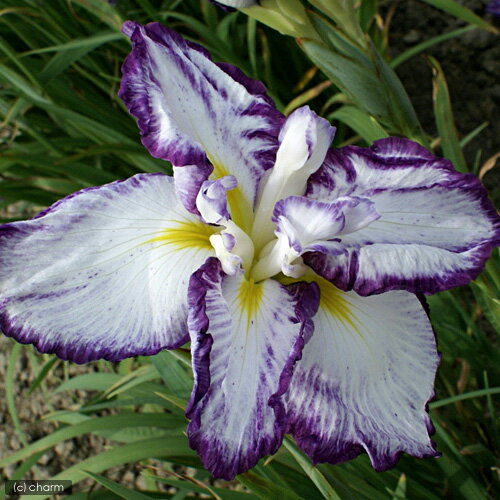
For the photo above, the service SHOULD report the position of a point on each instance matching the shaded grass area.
(63, 128)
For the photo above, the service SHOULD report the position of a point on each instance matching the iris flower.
(292, 268)
(493, 7)
(239, 4)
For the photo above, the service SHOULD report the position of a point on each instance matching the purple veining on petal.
(192, 111)
(210, 272)
(338, 409)
(231, 5)
(72, 255)
(188, 181)
(313, 225)
(335, 178)
(217, 454)
(337, 451)
(307, 302)
(493, 7)
(229, 241)
(137, 82)
(222, 6)
(391, 171)
(82, 354)
(211, 200)
(120, 187)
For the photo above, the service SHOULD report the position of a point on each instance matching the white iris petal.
(236, 256)
(304, 142)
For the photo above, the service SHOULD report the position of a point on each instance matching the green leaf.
(365, 77)
(361, 122)
(457, 10)
(10, 390)
(265, 489)
(314, 474)
(462, 397)
(177, 378)
(71, 52)
(190, 484)
(487, 290)
(43, 373)
(89, 382)
(28, 90)
(113, 422)
(400, 492)
(117, 488)
(355, 80)
(366, 13)
(103, 11)
(417, 49)
(166, 447)
(400, 108)
(444, 118)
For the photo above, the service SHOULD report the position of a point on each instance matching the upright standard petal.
(102, 273)
(436, 227)
(364, 379)
(192, 111)
(245, 339)
(304, 142)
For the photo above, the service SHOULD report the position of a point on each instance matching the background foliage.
(63, 128)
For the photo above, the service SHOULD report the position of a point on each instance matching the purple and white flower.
(237, 4)
(290, 266)
(493, 7)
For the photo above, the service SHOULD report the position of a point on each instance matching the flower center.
(271, 247)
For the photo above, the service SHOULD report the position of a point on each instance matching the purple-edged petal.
(304, 225)
(364, 379)
(436, 226)
(102, 273)
(237, 4)
(493, 7)
(308, 223)
(211, 201)
(192, 111)
(246, 338)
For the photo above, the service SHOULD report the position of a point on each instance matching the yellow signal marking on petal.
(249, 299)
(331, 299)
(186, 235)
(239, 207)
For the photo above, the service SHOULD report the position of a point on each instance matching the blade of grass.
(417, 49)
(10, 391)
(120, 490)
(473, 134)
(457, 10)
(43, 373)
(445, 121)
(265, 489)
(112, 422)
(461, 397)
(171, 446)
(314, 474)
(361, 122)
(192, 485)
